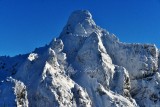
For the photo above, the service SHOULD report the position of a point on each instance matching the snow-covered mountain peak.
(79, 16)
(80, 23)
(85, 67)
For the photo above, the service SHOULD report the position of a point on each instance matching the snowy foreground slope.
(84, 67)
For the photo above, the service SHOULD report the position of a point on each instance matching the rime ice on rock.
(85, 67)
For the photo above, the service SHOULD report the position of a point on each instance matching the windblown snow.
(85, 66)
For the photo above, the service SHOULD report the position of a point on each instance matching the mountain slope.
(84, 67)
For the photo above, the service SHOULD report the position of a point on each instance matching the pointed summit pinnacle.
(79, 16)
(80, 23)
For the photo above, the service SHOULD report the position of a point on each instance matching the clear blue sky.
(27, 24)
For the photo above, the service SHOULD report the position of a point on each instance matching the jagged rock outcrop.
(85, 66)
(13, 93)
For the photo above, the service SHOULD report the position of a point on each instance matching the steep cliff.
(85, 66)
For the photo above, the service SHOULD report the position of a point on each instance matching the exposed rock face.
(13, 93)
(85, 67)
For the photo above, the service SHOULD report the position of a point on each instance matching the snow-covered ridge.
(84, 67)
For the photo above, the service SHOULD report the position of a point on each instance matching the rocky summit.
(85, 66)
